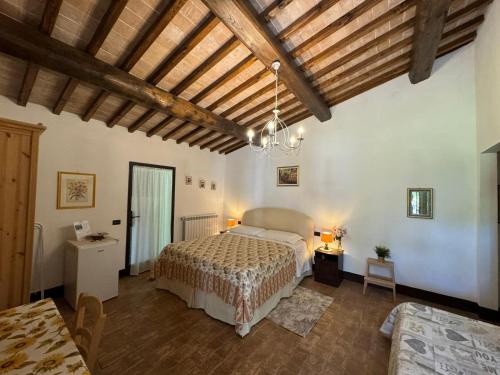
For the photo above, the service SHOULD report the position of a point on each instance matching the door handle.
(134, 217)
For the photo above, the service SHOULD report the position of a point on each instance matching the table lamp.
(326, 237)
(231, 223)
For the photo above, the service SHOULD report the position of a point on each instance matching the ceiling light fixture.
(275, 136)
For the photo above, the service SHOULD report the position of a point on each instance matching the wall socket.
(117, 222)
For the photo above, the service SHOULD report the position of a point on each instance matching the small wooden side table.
(388, 282)
(328, 266)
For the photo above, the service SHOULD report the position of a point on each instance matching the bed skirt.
(218, 309)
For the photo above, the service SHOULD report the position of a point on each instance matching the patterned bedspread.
(34, 340)
(426, 340)
(244, 272)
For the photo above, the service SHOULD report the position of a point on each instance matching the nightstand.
(328, 266)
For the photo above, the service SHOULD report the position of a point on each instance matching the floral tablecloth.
(429, 341)
(35, 340)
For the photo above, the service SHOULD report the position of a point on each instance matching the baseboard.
(433, 297)
(55, 292)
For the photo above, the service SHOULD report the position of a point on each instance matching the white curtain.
(152, 202)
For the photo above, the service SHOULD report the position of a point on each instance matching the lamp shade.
(327, 237)
(231, 223)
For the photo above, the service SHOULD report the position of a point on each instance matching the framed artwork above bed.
(288, 176)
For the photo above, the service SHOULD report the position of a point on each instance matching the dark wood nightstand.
(328, 265)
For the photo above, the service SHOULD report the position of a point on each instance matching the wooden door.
(18, 162)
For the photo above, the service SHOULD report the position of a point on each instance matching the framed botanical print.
(202, 183)
(288, 176)
(420, 203)
(213, 185)
(75, 190)
(188, 180)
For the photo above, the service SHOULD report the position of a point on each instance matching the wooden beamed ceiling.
(184, 70)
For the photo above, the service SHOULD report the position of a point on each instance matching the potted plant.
(382, 253)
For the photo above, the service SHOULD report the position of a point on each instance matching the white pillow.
(278, 235)
(246, 230)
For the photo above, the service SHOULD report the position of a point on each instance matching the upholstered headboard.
(281, 219)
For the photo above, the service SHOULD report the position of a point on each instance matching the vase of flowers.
(339, 233)
(382, 253)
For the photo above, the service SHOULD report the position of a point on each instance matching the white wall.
(69, 144)
(487, 65)
(355, 169)
(488, 79)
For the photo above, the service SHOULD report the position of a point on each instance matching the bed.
(426, 340)
(239, 278)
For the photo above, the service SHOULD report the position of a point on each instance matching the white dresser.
(91, 267)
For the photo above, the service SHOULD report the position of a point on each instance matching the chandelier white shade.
(275, 137)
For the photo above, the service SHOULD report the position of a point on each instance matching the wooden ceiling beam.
(267, 115)
(399, 70)
(194, 142)
(260, 106)
(233, 72)
(358, 34)
(208, 64)
(47, 23)
(335, 26)
(364, 31)
(231, 142)
(160, 126)
(398, 64)
(429, 25)
(27, 43)
(377, 42)
(226, 77)
(213, 141)
(141, 45)
(170, 62)
(306, 18)
(273, 8)
(240, 17)
(145, 117)
(250, 98)
(109, 19)
(404, 43)
(189, 134)
(198, 72)
(232, 146)
(175, 130)
(402, 68)
(237, 147)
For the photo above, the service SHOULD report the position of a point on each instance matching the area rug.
(300, 312)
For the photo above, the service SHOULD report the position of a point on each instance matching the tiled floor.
(151, 331)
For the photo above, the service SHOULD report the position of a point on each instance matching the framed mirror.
(420, 203)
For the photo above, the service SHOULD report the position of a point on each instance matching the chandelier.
(274, 136)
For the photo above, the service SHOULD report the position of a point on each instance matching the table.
(35, 339)
(328, 266)
(386, 281)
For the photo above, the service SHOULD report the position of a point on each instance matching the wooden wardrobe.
(18, 168)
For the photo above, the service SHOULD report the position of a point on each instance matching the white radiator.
(196, 226)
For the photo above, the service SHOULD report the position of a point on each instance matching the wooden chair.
(87, 339)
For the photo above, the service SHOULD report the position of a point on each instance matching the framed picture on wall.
(75, 190)
(213, 185)
(189, 180)
(288, 176)
(202, 183)
(420, 203)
